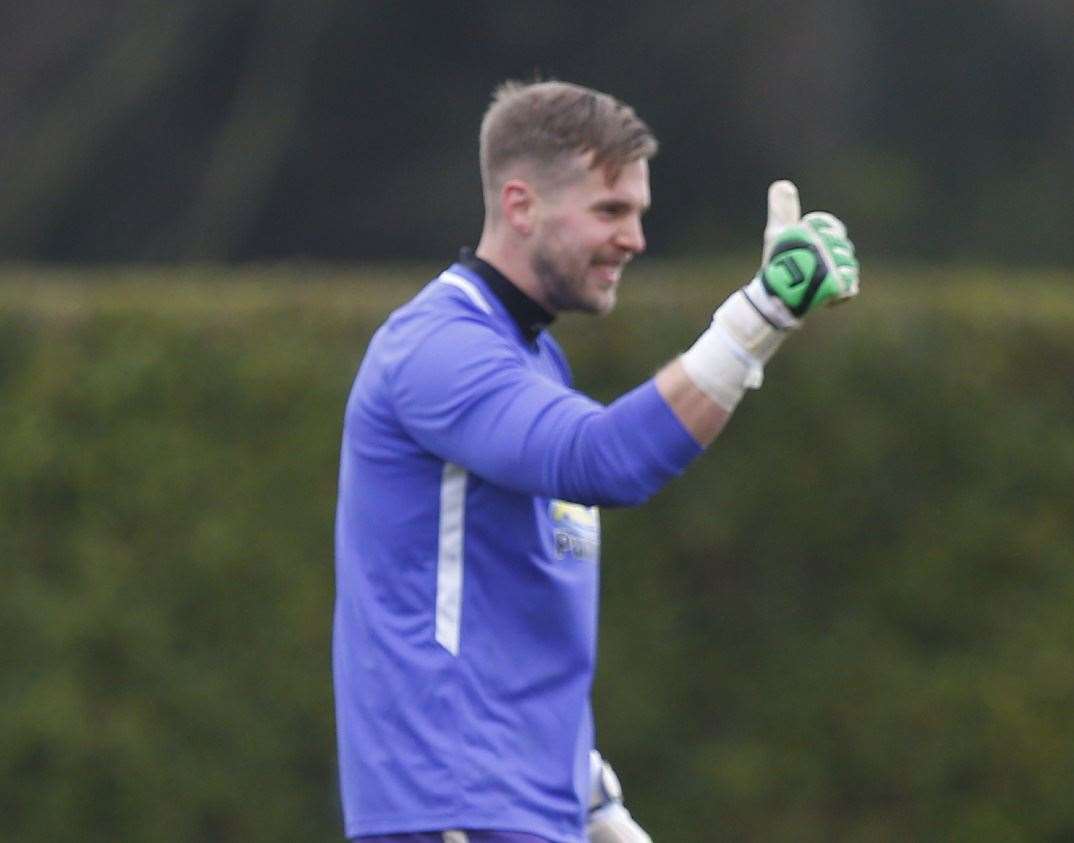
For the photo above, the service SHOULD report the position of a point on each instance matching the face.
(585, 233)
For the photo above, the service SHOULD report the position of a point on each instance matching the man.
(467, 530)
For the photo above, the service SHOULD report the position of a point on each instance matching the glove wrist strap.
(729, 357)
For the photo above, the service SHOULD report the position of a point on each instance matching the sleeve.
(463, 393)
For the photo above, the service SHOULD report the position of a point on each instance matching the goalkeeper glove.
(609, 820)
(807, 261)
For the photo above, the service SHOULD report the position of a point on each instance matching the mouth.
(609, 272)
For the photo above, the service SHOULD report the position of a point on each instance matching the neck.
(513, 260)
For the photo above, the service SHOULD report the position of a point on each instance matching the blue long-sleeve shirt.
(467, 550)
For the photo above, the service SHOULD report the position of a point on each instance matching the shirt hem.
(411, 823)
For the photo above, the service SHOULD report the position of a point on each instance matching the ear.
(518, 204)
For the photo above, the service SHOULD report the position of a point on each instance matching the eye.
(611, 210)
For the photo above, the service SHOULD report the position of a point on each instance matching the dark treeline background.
(851, 621)
(342, 129)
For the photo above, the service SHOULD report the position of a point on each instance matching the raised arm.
(806, 262)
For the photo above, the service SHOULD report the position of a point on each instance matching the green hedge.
(850, 620)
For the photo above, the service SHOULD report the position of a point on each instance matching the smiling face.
(584, 234)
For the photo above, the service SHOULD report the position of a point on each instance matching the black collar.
(530, 316)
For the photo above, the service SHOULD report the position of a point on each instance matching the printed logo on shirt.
(576, 530)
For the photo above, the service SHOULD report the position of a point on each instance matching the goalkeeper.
(467, 527)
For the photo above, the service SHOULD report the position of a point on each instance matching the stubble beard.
(565, 291)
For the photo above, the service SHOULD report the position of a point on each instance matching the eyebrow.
(617, 205)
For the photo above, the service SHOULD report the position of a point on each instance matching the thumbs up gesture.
(806, 260)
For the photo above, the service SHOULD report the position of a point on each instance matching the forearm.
(694, 409)
(624, 453)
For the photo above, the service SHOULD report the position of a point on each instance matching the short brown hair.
(546, 123)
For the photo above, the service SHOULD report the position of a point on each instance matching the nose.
(630, 236)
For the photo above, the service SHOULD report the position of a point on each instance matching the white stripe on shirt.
(449, 561)
(468, 287)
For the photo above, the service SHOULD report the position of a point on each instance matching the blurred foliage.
(237, 130)
(850, 620)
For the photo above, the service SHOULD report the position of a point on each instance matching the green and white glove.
(807, 261)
